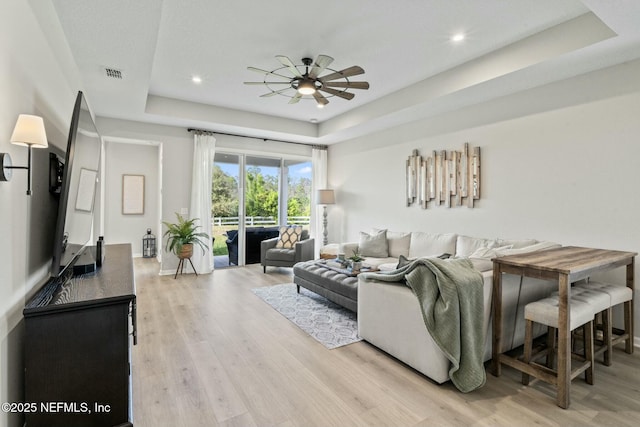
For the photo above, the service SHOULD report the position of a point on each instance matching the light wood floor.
(210, 353)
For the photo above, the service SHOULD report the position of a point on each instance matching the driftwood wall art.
(446, 178)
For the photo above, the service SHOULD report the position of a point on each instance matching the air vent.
(113, 73)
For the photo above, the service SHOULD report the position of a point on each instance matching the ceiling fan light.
(306, 87)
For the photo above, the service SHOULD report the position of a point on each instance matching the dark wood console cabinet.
(78, 349)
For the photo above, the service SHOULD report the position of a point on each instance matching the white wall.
(568, 175)
(177, 159)
(130, 159)
(33, 80)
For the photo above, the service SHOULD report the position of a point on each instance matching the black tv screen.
(74, 227)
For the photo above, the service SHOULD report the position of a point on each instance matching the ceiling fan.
(309, 81)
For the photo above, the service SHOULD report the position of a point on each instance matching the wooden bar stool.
(546, 312)
(618, 295)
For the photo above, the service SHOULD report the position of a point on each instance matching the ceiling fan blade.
(296, 98)
(341, 94)
(322, 62)
(320, 99)
(348, 85)
(347, 72)
(258, 70)
(275, 92)
(287, 63)
(267, 83)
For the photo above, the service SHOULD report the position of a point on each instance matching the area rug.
(330, 324)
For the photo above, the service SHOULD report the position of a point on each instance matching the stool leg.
(588, 351)
(607, 334)
(551, 346)
(628, 326)
(528, 345)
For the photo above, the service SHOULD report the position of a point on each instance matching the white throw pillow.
(374, 245)
(488, 253)
(289, 236)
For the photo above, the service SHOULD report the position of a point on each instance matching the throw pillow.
(374, 245)
(289, 236)
(398, 242)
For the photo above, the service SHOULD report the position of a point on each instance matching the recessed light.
(196, 79)
(457, 37)
(313, 120)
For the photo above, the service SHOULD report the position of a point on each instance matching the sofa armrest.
(267, 244)
(305, 250)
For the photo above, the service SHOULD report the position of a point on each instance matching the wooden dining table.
(565, 265)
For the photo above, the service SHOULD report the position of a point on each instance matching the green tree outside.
(261, 198)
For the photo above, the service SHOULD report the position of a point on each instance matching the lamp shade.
(29, 131)
(326, 197)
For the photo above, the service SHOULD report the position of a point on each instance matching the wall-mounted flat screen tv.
(74, 227)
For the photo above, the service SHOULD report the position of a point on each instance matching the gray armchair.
(279, 257)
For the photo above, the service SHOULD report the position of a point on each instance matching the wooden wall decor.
(444, 178)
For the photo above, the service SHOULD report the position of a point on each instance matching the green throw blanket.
(451, 298)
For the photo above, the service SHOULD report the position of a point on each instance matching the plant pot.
(186, 251)
(356, 265)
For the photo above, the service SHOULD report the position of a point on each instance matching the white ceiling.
(404, 46)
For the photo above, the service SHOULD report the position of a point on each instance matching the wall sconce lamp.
(325, 197)
(29, 131)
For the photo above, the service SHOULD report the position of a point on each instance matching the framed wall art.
(132, 194)
(445, 178)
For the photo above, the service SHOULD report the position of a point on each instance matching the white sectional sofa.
(389, 315)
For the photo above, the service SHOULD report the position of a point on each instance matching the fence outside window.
(258, 220)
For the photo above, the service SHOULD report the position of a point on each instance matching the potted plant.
(356, 261)
(182, 235)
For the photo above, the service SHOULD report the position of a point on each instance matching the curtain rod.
(317, 146)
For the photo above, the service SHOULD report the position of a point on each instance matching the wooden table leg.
(628, 309)
(496, 345)
(564, 344)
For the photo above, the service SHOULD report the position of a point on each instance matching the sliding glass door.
(252, 195)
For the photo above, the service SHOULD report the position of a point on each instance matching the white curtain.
(319, 182)
(203, 157)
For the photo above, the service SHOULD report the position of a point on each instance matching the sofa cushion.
(516, 243)
(374, 245)
(481, 257)
(377, 262)
(289, 235)
(425, 244)
(281, 254)
(399, 243)
(532, 248)
(466, 245)
(488, 252)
